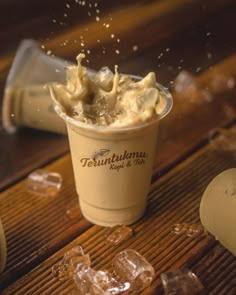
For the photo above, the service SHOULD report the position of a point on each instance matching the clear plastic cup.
(113, 166)
(26, 101)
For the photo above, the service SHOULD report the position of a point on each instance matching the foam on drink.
(107, 99)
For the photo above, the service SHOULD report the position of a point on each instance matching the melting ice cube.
(70, 262)
(132, 267)
(90, 281)
(118, 234)
(44, 183)
(182, 282)
(191, 230)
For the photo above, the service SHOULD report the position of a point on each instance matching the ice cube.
(118, 234)
(76, 252)
(104, 78)
(191, 230)
(70, 262)
(83, 279)
(89, 281)
(44, 183)
(182, 282)
(132, 267)
(60, 272)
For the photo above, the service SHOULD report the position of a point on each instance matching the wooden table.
(164, 36)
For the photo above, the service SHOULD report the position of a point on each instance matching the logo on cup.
(104, 157)
(100, 153)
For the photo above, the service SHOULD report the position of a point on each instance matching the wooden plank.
(36, 226)
(26, 150)
(174, 198)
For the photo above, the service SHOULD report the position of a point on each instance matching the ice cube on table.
(118, 234)
(90, 281)
(44, 183)
(132, 267)
(60, 272)
(71, 260)
(182, 282)
(189, 229)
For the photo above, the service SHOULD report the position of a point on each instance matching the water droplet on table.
(118, 234)
(190, 230)
(73, 212)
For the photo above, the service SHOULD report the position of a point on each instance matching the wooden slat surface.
(174, 198)
(37, 224)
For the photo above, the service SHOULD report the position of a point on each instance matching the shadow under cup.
(113, 166)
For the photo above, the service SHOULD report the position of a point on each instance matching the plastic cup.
(113, 167)
(218, 207)
(26, 101)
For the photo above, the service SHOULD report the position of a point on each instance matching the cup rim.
(108, 129)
